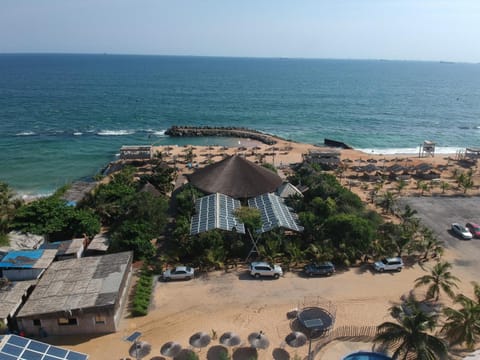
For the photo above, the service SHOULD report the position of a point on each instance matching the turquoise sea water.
(62, 117)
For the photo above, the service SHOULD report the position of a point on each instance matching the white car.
(179, 273)
(461, 231)
(258, 269)
(389, 264)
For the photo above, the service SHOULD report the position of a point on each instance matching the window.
(100, 319)
(36, 322)
(67, 321)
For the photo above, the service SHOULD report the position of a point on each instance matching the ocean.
(63, 117)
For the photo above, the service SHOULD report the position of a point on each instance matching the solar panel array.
(216, 211)
(15, 347)
(274, 213)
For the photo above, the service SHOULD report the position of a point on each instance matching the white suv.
(389, 264)
(258, 269)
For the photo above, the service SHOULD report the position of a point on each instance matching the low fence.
(352, 333)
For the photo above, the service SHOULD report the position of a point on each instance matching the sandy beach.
(218, 302)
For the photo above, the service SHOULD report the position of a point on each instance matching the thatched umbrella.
(140, 349)
(296, 339)
(280, 354)
(230, 339)
(170, 349)
(258, 340)
(199, 339)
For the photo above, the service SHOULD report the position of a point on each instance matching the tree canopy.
(51, 216)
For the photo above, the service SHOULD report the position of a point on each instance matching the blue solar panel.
(12, 350)
(274, 213)
(9, 357)
(38, 346)
(31, 355)
(18, 340)
(58, 352)
(134, 336)
(48, 357)
(76, 356)
(21, 348)
(215, 211)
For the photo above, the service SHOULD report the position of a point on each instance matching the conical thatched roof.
(236, 177)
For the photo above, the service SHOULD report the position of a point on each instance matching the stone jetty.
(186, 131)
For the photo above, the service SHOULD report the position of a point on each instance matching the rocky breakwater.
(186, 131)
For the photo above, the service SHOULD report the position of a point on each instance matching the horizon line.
(238, 57)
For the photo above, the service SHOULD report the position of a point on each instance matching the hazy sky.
(379, 29)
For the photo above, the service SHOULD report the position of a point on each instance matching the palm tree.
(444, 186)
(408, 214)
(422, 186)
(401, 184)
(388, 202)
(430, 243)
(463, 325)
(439, 279)
(465, 181)
(410, 336)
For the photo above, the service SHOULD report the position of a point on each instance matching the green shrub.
(143, 293)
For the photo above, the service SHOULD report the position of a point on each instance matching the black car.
(325, 268)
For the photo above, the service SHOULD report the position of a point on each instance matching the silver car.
(179, 273)
(258, 269)
(389, 264)
(461, 231)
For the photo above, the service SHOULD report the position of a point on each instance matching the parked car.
(179, 273)
(389, 264)
(474, 229)
(461, 231)
(325, 268)
(258, 269)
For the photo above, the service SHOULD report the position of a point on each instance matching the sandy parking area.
(234, 302)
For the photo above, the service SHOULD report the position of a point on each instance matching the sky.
(341, 29)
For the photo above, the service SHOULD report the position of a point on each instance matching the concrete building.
(25, 264)
(12, 296)
(98, 246)
(143, 152)
(78, 296)
(67, 249)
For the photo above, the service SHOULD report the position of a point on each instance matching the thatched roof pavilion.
(236, 177)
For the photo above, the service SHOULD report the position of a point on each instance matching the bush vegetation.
(143, 293)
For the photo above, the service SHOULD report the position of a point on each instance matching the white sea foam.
(25, 133)
(159, 133)
(77, 133)
(27, 197)
(115, 132)
(408, 151)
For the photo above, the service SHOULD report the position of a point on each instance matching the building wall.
(85, 324)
